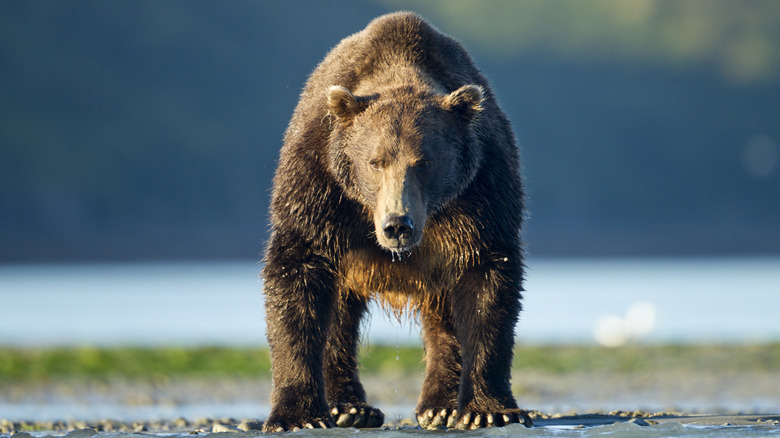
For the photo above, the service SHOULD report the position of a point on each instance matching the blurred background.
(138, 141)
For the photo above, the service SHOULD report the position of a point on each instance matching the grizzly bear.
(399, 181)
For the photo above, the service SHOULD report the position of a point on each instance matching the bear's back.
(401, 38)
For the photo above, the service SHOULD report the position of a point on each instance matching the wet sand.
(647, 419)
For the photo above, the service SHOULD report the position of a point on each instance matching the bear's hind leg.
(343, 390)
(436, 407)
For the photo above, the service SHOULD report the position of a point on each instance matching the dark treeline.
(150, 130)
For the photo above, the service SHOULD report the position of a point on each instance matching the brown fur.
(398, 181)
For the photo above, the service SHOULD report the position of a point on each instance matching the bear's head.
(404, 153)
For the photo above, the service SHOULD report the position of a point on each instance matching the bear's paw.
(357, 415)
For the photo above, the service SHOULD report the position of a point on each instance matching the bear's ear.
(342, 103)
(466, 101)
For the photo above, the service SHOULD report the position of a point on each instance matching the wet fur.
(323, 263)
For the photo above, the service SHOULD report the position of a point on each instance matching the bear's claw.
(437, 418)
(357, 416)
(280, 426)
(476, 420)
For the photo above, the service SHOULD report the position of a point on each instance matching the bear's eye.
(423, 164)
(375, 164)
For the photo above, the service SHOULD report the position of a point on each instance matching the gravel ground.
(22, 429)
(571, 399)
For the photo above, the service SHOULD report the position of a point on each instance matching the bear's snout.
(399, 215)
(397, 227)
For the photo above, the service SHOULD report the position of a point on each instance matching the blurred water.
(692, 300)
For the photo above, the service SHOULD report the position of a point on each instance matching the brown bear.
(399, 180)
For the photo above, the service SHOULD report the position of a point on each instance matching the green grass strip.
(51, 364)
(133, 363)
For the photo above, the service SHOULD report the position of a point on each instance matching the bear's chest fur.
(399, 283)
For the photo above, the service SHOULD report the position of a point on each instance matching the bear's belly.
(399, 284)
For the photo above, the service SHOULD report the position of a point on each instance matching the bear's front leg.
(438, 401)
(485, 310)
(299, 289)
(343, 390)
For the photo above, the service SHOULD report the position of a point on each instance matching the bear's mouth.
(400, 248)
(399, 255)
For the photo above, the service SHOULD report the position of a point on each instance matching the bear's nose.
(396, 227)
